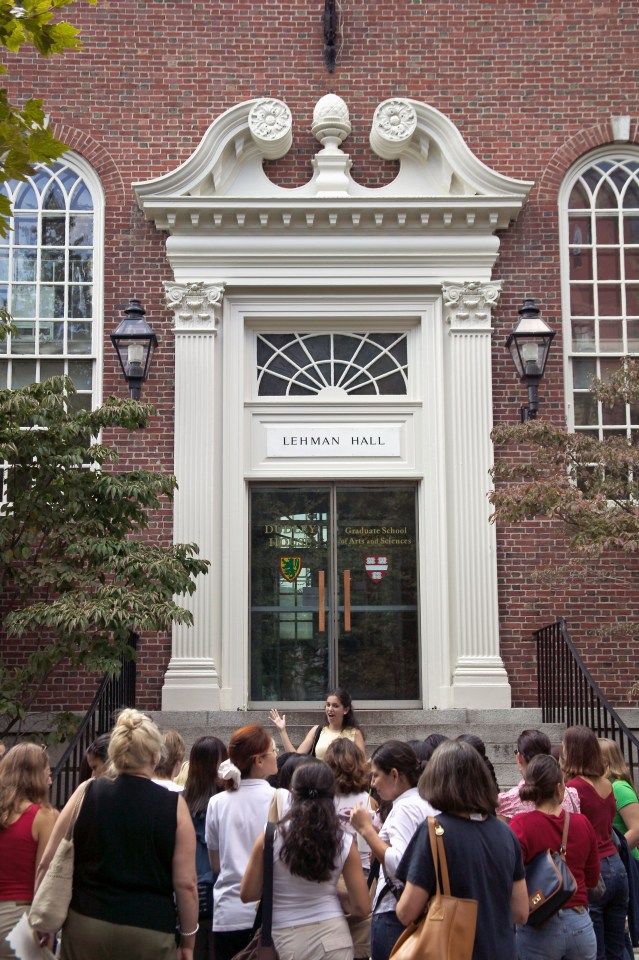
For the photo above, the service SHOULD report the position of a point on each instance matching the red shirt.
(17, 857)
(600, 811)
(538, 831)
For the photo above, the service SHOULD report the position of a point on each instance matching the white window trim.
(584, 163)
(93, 184)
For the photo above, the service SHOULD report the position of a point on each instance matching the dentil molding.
(223, 186)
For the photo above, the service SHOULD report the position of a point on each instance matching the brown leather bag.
(447, 929)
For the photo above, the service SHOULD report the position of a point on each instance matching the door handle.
(347, 601)
(321, 582)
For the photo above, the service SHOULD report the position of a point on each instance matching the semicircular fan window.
(347, 364)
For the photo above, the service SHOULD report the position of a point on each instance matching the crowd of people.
(169, 853)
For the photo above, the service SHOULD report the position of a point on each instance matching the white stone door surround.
(416, 254)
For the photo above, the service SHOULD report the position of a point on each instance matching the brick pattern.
(531, 87)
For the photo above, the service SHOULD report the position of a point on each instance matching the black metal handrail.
(113, 694)
(569, 694)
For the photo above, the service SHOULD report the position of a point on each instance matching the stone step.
(498, 729)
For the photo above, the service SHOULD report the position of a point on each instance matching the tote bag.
(447, 930)
(52, 898)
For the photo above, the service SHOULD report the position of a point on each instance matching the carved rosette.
(394, 123)
(197, 306)
(271, 126)
(468, 306)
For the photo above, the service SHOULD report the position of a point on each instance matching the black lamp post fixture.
(529, 344)
(134, 342)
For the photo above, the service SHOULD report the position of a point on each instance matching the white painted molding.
(246, 252)
(191, 681)
(196, 306)
(479, 676)
(271, 126)
(222, 192)
(468, 305)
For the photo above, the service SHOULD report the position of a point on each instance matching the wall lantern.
(134, 342)
(529, 345)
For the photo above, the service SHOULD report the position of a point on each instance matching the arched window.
(51, 278)
(599, 207)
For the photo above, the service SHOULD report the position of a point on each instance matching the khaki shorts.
(324, 940)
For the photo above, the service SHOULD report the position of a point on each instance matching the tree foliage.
(25, 138)
(590, 485)
(73, 570)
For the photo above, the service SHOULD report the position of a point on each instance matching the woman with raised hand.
(395, 771)
(26, 822)
(483, 855)
(203, 782)
(340, 722)
(310, 852)
(233, 821)
(134, 857)
(584, 768)
(569, 934)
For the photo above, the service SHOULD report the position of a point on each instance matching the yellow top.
(327, 736)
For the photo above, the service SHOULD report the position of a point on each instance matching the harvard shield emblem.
(290, 567)
(376, 568)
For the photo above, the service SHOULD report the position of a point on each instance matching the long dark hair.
(202, 783)
(311, 833)
(344, 697)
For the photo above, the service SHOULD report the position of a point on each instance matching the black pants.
(226, 943)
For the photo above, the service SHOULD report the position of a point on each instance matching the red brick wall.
(531, 86)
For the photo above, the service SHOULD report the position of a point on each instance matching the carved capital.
(468, 306)
(197, 306)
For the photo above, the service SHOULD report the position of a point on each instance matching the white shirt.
(234, 820)
(344, 803)
(408, 812)
(297, 900)
(169, 785)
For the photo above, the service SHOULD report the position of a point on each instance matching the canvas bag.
(447, 929)
(549, 881)
(261, 946)
(52, 898)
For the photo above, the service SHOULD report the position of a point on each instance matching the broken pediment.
(225, 174)
(437, 219)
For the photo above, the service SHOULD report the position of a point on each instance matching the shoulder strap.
(267, 890)
(436, 833)
(564, 836)
(76, 809)
(318, 734)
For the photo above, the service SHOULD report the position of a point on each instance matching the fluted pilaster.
(479, 677)
(191, 681)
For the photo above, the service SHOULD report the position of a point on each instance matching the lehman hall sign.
(336, 441)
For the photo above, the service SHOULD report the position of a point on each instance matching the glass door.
(334, 592)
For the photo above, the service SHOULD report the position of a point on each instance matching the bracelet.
(191, 933)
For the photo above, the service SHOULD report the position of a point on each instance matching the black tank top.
(124, 840)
